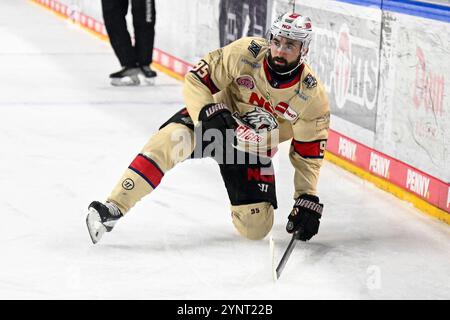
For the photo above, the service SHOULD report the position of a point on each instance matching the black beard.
(282, 68)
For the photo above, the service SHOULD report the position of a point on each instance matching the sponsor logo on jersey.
(252, 64)
(215, 108)
(245, 81)
(302, 96)
(417, 183)
(286, 111)
(282, 108)
(128, 184)
(347, 149)
(310, 81)
(256, 100)
(254, 48)
(379, 165)
(248, 135)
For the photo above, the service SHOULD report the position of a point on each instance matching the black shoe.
(128, 76)
(101, 218)
(148, 72)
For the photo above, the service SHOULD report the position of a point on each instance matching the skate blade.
(150, 81)
(95, 228)
(146, 81)
(126, 81)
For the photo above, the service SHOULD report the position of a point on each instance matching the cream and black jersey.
(239, 76)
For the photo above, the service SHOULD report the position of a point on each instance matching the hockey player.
(249, 95)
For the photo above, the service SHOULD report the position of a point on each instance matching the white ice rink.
(66, 136)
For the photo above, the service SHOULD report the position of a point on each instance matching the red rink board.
(410, 179)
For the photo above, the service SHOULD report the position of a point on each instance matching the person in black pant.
(135, 59)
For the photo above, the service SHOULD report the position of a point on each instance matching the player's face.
(284, 52)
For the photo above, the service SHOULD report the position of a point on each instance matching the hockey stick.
(286, 255)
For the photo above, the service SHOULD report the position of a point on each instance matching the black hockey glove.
(304, 219)
(216, 116)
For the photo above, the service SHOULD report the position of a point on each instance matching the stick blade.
(286, 256)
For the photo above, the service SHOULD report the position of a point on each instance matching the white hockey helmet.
(294, 26)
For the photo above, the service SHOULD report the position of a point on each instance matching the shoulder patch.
(254, 48)
(310, 81)
(245, 81)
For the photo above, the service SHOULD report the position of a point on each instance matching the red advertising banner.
(428, 188)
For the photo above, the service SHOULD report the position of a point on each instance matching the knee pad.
(253, 221)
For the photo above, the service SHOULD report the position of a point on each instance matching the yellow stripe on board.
(167, 71)
(390, 187)
(94, 33)
(60, 15)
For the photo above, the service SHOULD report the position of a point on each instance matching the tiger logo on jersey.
(259, 119)
(250, 123)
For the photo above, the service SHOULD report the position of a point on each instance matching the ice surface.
(66, 136)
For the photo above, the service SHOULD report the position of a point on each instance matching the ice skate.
(101, 218)
(149, 75)
(128, 76)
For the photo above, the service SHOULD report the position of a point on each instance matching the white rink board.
(414, 115)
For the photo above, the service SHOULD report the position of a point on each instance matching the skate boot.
(128, 76)
(149, 75)
(101, 218)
